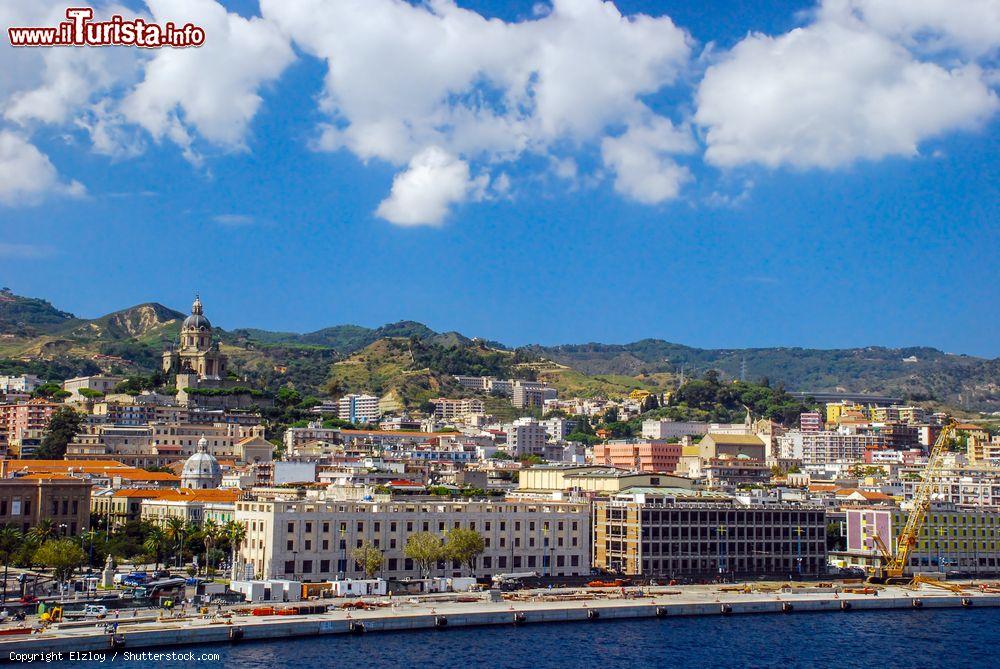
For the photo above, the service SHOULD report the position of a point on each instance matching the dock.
(410, 615)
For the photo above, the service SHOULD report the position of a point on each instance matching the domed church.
(197, 353)
(202, 470)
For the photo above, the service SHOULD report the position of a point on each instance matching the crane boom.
(895, 567)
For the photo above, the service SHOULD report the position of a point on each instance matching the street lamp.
(341, 573)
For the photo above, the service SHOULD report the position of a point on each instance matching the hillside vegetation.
(38, 338)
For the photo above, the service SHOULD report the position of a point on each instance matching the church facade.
(197, 354)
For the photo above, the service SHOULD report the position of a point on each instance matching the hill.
(29, 316)
(39, 338)
(917, 374)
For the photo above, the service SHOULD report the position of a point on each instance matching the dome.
(201, 470)
(197, 320)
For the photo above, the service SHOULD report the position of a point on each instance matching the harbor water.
(904, 639)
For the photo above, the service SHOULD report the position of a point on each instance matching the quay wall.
(241, 630)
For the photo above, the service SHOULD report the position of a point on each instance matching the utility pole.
(798, 560)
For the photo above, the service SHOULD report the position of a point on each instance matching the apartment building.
(25, 383)
(24, 423)
(450, 409)
(652, 455)
(526, 436)
(972, 486)
(665, 536)
(811, 421)
(358, 408)
(531, 394)
(826, 446)
(312, 540)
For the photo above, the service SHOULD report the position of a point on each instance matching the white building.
(25, 383)
(826, 446)
(312, 540)
(101, 384)
(358, 408)
(526, 436)
(670, 429)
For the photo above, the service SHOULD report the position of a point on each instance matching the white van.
(95, 611)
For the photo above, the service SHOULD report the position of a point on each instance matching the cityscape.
(451, 332)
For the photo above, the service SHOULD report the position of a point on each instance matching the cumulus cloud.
(213, 88)
(832, 92)
(432, 182)
(971, 27)
(402, 78)
(642, 163)
(27, 174)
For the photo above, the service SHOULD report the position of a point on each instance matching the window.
(309, 527)
(307, 566)
(326, 527)
(291, 544)
(289, 566)
(324, 566)
(291, 527)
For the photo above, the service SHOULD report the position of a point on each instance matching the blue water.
(951, 639)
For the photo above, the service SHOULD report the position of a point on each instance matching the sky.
(721, 173)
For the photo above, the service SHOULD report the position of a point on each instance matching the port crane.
(893, 567)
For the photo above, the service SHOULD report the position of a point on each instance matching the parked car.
(28, 599)
(136, 578)
(95, 611)
(162, 573)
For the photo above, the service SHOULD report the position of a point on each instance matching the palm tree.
(236, 533)
(154, 544)
(45, 529)
(174, 532)
(10, 541)
(210, 534)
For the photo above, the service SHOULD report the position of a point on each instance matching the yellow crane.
(894, 565)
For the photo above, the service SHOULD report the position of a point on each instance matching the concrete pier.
(409, 615)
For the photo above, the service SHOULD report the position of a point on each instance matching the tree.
(211, 534)
(425, 549)
(368, 558)
(287, 396)
(63, 556)
(10, 541)
(236, 534)
(155, 545)
(89, 393)
(45, 530)
(175, 531)
(464, 545)
(63, 426)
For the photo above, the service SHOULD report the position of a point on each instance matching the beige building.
(716, 445)
(160, 444)
(101, 384)
(63, 499)
(449, 409)
(312, 540)
(590, 480)
(195, 506)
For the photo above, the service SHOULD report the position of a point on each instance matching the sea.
(939, 639)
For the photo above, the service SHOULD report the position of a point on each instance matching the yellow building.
(834, 410)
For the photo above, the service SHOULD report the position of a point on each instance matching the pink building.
(648, 456)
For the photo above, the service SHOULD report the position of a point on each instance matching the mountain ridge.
(34, 329)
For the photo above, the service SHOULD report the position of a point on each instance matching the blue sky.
(805, 239)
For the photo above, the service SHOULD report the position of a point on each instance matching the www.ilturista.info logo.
(81, 30)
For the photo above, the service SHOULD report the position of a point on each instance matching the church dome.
(197, 320)
(201, 470)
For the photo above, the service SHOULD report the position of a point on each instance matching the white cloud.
(213, 88)
(423, 193)
(640, 159)
(830, 93)
(969, 26)
(404, 77)
(27, 174)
